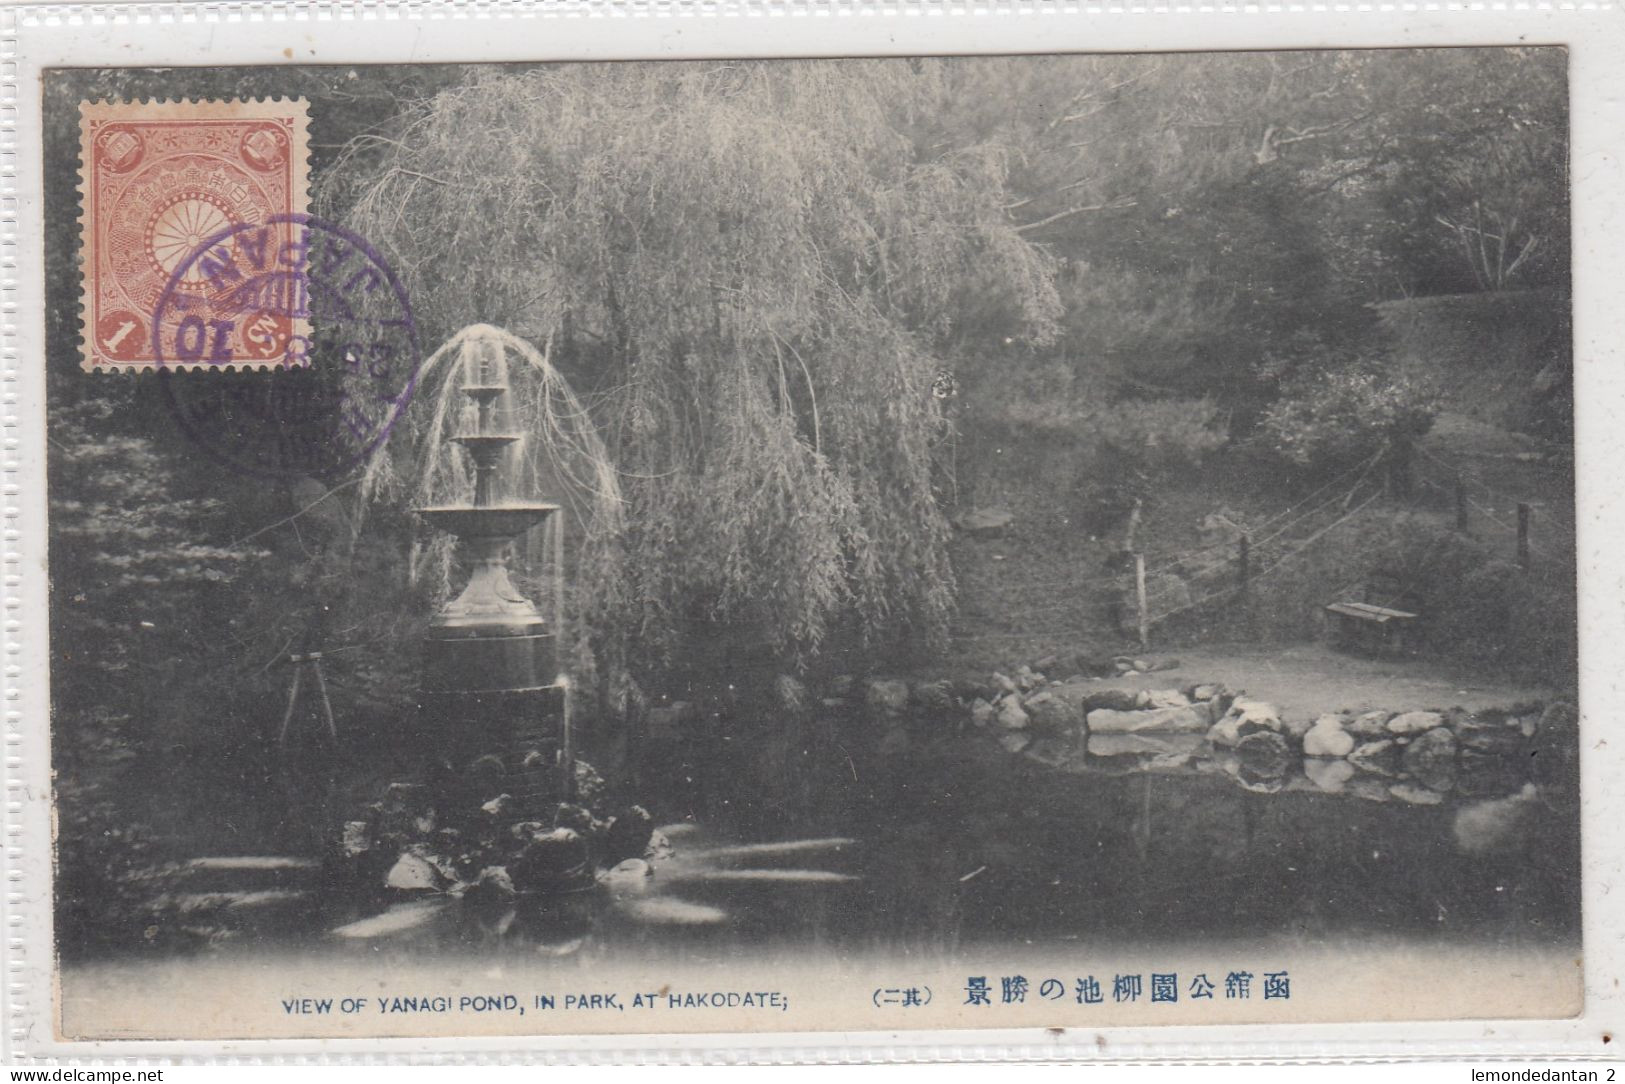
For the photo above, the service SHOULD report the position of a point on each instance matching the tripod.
(312, 661)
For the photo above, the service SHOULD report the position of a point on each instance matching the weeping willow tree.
(747, 272)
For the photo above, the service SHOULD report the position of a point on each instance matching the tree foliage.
(1328, 419)
(142, 601)
(747, 269)
(750, 273)
(1213, 209)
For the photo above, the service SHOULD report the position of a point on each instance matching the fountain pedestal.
(492, 705)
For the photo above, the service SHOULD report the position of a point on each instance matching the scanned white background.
(219, 34)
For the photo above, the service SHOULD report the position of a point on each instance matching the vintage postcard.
(1044, 543)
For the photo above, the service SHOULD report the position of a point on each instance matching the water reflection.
(622, 901)
(954, 842)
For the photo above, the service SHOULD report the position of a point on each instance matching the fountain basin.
(505, 520)
(480, 442)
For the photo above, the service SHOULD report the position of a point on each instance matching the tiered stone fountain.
(493, 706)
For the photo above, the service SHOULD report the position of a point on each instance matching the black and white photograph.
(1059, 540)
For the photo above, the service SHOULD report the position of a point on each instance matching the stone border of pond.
(1418, 755)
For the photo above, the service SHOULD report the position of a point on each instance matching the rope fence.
(1273, 532)
(1301, 548)
(1168, 562)
(1463, 479)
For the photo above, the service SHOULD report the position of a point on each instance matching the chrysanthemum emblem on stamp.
(158, 180)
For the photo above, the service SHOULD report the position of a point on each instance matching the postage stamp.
(157, 179)
(1036, 540)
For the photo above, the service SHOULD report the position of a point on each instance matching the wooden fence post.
(1523, 535)
(1139, 598)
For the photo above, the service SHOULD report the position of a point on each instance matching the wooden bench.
(1385, 619)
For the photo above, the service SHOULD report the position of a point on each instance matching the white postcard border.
(256, 33)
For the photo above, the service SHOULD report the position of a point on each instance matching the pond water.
(817, 866)
(954, 843)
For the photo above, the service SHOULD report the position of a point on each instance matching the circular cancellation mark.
(286, 348)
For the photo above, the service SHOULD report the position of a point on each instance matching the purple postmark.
(310, 338)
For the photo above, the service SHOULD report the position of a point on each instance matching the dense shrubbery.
(1137, 445)
(1477, 605)
(1116, 450)
(1328, 419)
(142, 608)
(1156, 435)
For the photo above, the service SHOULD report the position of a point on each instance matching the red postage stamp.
(169, 190)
